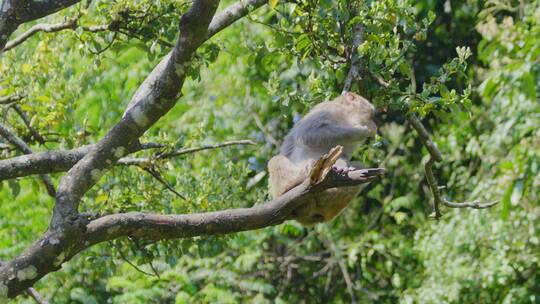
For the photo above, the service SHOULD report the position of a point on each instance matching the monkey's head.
(361, 111)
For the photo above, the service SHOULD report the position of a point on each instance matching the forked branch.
(436, 156)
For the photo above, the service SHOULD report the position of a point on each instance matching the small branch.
(344, 271)
(96, 28)
(269, 138)
(26, 121)
(24, 148)
(4, 100)
(436, 156)
(424, 137)
(206, 147)
(16, 12)
(14, 140)
(474, 204)
(354, 71)
(146, 161)
(49, 28)
(155, 174)
(129, 262)
(36, 296)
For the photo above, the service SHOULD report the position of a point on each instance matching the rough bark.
(70, 232)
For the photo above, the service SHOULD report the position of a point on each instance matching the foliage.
(470, 68)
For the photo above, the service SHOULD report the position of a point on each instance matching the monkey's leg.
(284, 175)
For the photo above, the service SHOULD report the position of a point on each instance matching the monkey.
(347, 121)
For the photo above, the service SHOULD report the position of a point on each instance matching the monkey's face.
(361, 111)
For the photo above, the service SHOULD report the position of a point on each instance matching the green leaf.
(273, 3)
(506, 203)
(15, 187)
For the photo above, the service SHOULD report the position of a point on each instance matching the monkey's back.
(321, 117)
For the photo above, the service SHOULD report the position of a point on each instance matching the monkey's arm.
(323, 130)
(284, 175)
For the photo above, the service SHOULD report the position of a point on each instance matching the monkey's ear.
(349, 96)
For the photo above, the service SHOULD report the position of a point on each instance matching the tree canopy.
(135, 134)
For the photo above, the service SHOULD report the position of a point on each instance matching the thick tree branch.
(155, 98)
(16, 12)
(57, 247)
(41, 162)
(157, 226)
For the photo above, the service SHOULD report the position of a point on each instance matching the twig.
(269, 138)
(142, 249)
(10, 98)
(129, 262)
(24, 148)
(344, 271)
(206, 147)
(26, 121)
(96, 28)
(155, 174)
(147, 161)
(69, 24)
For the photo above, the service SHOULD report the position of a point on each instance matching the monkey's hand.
(326, 164)
(365, 174)
(343, 170)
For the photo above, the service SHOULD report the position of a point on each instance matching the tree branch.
(36, 296)
(16, 12)
(156, 175)
(49, 28)
(435, 156)
(57, 247)
(63, 160)
(26, 122)
(70, 232)
(354, 70)
(4, 100)
(24, 148)
(205, 147)
(157, 226)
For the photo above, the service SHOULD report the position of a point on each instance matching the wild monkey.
(346, 121)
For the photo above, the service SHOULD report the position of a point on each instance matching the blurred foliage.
(469, 68)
